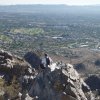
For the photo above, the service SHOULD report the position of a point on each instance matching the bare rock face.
(11, 69)
(5, 60)
(61, 83)
(57, 82)
(11, 63)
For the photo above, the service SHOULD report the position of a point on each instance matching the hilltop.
(18, 80)
(38, 8)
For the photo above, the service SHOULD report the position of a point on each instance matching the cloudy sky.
(68, 2)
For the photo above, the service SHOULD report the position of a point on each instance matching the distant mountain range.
(50, 8)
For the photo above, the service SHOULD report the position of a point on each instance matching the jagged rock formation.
(57, 82)
(11, 69)
(5, 60)
(62, 83)
(9, 62)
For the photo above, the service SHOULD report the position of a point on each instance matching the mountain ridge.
(20, 81)
(45, 8)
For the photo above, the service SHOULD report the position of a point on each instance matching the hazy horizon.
(47, 4)
(50, 2)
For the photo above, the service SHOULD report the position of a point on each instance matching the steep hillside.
(19, 81)
(11, 69)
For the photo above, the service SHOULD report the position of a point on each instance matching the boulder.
(33, 59)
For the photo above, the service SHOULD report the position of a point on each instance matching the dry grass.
(86, 56)
(12, 89)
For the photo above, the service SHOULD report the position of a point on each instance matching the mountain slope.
(50, 9)
(18, 80)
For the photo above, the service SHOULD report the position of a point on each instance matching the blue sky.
(68, 2)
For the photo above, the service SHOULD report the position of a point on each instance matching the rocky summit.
(20, 81)
(61, 83)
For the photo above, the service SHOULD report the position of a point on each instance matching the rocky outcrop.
(61, 83)
(12, 68)
(57, 82)
(5, 60)
(9, 62)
